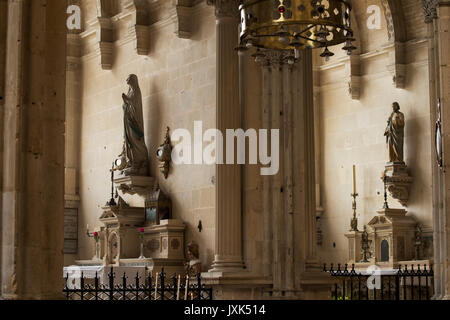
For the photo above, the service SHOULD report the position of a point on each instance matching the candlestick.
(112, 202)
(178, 287)
(385, 205)
(354, 220)
(186, 287)
(156, 285)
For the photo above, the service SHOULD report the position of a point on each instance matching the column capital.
(225, 8)
(430, 10)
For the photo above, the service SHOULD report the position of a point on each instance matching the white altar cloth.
(74, 274)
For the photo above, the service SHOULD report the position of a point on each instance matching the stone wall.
(177, 79)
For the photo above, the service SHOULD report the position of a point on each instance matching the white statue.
(134, 155)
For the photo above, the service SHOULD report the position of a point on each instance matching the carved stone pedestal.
(121, 224)
(354, 246)
(141, 185)
(398, 181)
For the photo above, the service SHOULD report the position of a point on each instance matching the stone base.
(153, 265)
(316, 285)
(141, 185)
(398, 181)
(93, 262)
(237, 285)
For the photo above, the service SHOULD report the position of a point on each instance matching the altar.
(130, 240)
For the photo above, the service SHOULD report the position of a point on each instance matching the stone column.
(3, 24)
(437, 15)
(288, 198)
(33, 159)
(228, 255)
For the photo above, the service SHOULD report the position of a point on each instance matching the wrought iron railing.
(401, 283)
(150, 289)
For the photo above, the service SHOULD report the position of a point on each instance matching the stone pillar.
(288, 198)
(3, 24)
(33, 158)
(437, 15)
(228, 255)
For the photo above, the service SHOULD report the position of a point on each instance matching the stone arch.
(394, 20)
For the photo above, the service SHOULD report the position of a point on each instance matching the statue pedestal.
(398, 181)
(141, 185)
(354, 246)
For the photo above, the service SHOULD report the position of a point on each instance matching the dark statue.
(395, 134)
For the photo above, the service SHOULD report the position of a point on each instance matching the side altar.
(391, 237)
(130, 238)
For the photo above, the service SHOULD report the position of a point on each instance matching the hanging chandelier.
(294, 25)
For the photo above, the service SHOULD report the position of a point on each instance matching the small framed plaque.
(157, 207)
(70, 230)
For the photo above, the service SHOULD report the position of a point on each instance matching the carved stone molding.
(430, 10)
(397, 66)
(139, 27)
(353, 75)
(135, 184)
(389, 20)
(105, 37)
(225, 8)
(105, 50)
(398, 182)
(183, 21)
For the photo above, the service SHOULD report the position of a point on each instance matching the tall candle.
(178, 287)
(186, 287)
(354, 179)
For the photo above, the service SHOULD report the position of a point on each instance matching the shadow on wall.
(413, 130)
(152, 126)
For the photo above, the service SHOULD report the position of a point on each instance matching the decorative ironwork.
(296, 24)
(150, 289)
(400, 283)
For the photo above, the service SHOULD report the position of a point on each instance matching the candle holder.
(385, 205)
(141, 237)
(112, 201)
(354, 221)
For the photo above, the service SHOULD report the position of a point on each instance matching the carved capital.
(225, 8)
(430, 10)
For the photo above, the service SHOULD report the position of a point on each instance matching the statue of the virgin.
(134, 152)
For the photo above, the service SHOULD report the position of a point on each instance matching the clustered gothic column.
(228, 255)
(288, 198)
(33, 150)
(437, 15)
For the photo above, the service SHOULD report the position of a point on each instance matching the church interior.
(111, 110)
